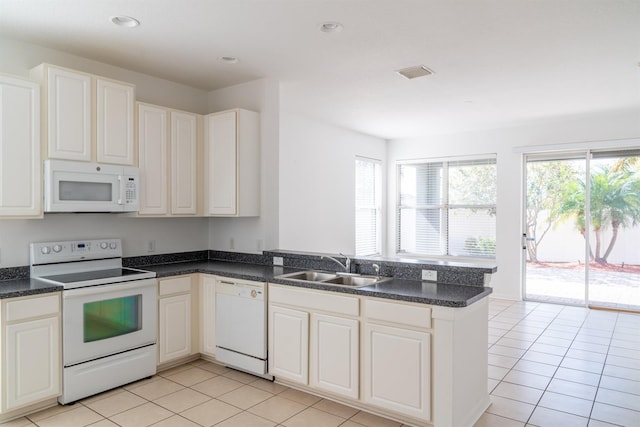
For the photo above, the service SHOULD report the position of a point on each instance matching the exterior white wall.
(253, 234)
(317, 184)
(578, 130)
(171, 235)
(564, 243)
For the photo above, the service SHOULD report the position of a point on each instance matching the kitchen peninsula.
(402, 348)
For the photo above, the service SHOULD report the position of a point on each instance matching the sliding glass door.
(614, 211)
(582, 236)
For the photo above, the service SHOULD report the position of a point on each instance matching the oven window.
(85, 191)
(111, 318)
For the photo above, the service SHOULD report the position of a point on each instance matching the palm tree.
(614, 202)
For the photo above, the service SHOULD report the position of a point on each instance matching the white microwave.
(90, 187)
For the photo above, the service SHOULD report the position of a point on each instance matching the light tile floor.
(549, 366)
(555, 365)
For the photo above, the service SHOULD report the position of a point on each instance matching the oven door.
(102, 320)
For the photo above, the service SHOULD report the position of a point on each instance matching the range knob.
(45, 250)
(57, 248)
(104, 245)
(113, 245)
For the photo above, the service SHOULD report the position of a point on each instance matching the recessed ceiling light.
(331, 27)
(228, 59)
(414, 72)
(125, 21)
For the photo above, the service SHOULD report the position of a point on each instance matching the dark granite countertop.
(25, 286)
(396, 289)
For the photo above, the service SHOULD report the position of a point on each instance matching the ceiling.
(496, 62)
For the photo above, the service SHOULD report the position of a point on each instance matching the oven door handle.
(109, 288)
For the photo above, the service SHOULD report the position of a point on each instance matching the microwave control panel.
(130, 190)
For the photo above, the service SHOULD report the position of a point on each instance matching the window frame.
(444, 207)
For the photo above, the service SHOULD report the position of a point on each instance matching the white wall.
(580, 130)
(18, 58)
(317, 183)
(253, 234)
(171, 235)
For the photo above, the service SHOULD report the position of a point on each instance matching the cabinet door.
(32, 362)
(208, 301)
(222, 164)
(174, 340)
(397, 370)
(289, 344)
(20, 175)
(334, 358)
(68, 114)
(153, 157)
(183, 163)
(114, 122)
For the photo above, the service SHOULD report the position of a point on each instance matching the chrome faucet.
(376, 268)
(346, 265)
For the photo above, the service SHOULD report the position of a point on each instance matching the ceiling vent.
(415, 72)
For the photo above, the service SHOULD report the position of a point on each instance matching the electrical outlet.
(278, 260)
(151, 246)
(430, 275)
(232, 243)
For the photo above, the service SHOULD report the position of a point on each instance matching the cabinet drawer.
(315, 300)
(33, 307)
(175, 286)
(405, 314)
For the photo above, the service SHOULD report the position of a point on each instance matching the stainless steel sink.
(352, 280)
(309, 276)
(355, 281)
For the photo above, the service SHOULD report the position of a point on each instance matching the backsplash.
(448, 272)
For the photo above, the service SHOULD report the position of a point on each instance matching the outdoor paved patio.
(611, 289)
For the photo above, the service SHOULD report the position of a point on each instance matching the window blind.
(447, 208)
(368, 195)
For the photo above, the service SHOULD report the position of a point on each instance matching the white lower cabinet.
(314, 339)
(30, 350)
(289, 344)
(368, 352)
(397, 357)
(397, 369)
(208, 314)
(334, 354)
(176, 326)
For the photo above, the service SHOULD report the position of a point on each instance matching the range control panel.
(74, 250)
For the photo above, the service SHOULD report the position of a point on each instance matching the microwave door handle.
(122, 190)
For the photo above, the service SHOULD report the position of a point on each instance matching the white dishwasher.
(241, 326)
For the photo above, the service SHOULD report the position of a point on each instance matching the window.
(368, 210)
(447, 208)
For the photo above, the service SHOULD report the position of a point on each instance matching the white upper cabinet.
(20, 169)
(69, 108)
(167, 155)
(153, 146)
(232, 163)
(67, 100)
(114, 122)
(184, 145)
